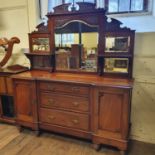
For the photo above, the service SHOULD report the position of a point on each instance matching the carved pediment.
(115, 25)
(41, 28)
(82, 8)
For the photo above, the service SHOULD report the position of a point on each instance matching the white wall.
(18, 18)
(14, 20)
(143, 102)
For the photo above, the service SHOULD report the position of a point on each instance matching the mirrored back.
(76, 47)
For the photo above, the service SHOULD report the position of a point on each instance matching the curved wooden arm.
(10, 43)
(3, 41)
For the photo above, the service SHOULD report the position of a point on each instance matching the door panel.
(25, 98)
(110, 112)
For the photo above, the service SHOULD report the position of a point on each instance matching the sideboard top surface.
(86, 79)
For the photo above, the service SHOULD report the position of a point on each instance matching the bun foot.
(37, 133)
(20, 128)
(97, 147)
(123, 153)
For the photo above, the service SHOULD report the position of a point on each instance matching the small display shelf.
(39, 43)
(40, 53)
(40, 61)
(118, 54)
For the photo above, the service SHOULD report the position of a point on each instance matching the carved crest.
(115, 25)
(41, 28)
(83, 8)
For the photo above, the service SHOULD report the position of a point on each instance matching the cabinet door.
(9, 85)
(2, 85)
(25, 102)
(112, 110)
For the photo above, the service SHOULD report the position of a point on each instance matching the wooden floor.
(26, 143)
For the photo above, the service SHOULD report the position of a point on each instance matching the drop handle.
(75, 121)
(76, 104)
(50, 101)
(51, 88)
(75, 89)
(51, 117)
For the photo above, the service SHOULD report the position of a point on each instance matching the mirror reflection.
(40, 44)
(76, 47)
(117, 44)
(116, 65)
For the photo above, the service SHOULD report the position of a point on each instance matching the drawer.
(65, 102)
(66, 119)
(66, 88)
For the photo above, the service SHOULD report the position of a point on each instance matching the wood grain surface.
(75, 78)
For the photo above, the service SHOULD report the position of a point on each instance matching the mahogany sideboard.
(86, 106)
(80, 81)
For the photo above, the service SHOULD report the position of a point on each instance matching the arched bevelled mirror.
(76, 44)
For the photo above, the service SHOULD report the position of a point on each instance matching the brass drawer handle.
(101, 94)
(51, 117)
(75, 121)
(76, 104)
(51, 88)
(51, 101)
(75, 89)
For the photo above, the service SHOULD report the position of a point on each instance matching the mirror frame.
(87, 14)
(73, 27)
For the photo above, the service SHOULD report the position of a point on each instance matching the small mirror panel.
(117, 44)
(40, 44)
(116, 65)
